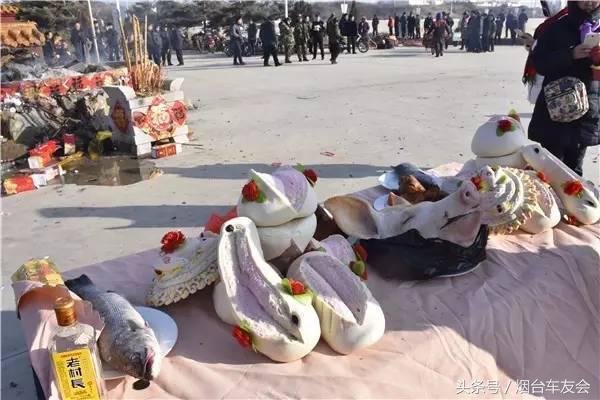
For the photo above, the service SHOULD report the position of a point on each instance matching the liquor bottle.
(74, 356)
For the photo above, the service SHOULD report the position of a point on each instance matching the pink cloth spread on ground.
(529, 314)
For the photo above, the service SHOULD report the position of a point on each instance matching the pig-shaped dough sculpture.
(420, 241)
(252, 296)
(580, 198)
(455, 218)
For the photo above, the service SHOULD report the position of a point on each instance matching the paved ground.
(371, 111)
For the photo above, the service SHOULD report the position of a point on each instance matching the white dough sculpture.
(580, 198)
(513, 199)
(189, 268)
(253, 296)
(351, 319)
(456, 218)
(292, 237)
(274, 199)
(498, 142)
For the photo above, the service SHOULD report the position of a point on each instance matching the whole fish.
(127, 343)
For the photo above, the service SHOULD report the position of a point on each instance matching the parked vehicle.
(365, 43)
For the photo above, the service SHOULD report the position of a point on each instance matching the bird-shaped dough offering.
(269, 315)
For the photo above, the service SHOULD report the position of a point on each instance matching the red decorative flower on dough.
(310, 174)
(298, 290)
(571, 220)
(478, 182)
(542, 176)
(171, 241)
(504, 125)
(251, 192)
(243, 337)
(360, 252)
(573, 188)
(293, 286)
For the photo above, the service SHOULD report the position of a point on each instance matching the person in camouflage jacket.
(287, 38)
(300, 34)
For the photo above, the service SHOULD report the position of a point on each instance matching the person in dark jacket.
(410, 23)
(269, 42)
(559, 53)
(375, 25)
(363, 28)
(439, 30)
(317, 31)
(252, 32)
(463, 25)
(397, 26)
(522, 20)
(450, 24)
(335, 36)
(165, 53)
(177, 43)
(154, 44)
(236, 41)
(427, 23)
(403, 22)
(485, 23)
(418, 26)
(342, 24)
(474, 29)
(491, 32)
(511, 25)
(499, 25)
(49, 50)
(78, 39)
(352, 33)
(112, 42)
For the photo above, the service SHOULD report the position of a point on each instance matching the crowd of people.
(302, 37)
(404, 26)
(480, 31)
(160, 44)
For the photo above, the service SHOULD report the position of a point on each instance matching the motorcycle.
(210, 43)
(365, 43)
(229, 51)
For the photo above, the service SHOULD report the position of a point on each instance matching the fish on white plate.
(127, 343)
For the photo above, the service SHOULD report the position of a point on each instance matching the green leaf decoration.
(358, 267)
(499, 132)
(287, 286)
(261, 197)
(305, 298)
(322, 249)
(502, 180)
(245, 326)
(300, 167)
